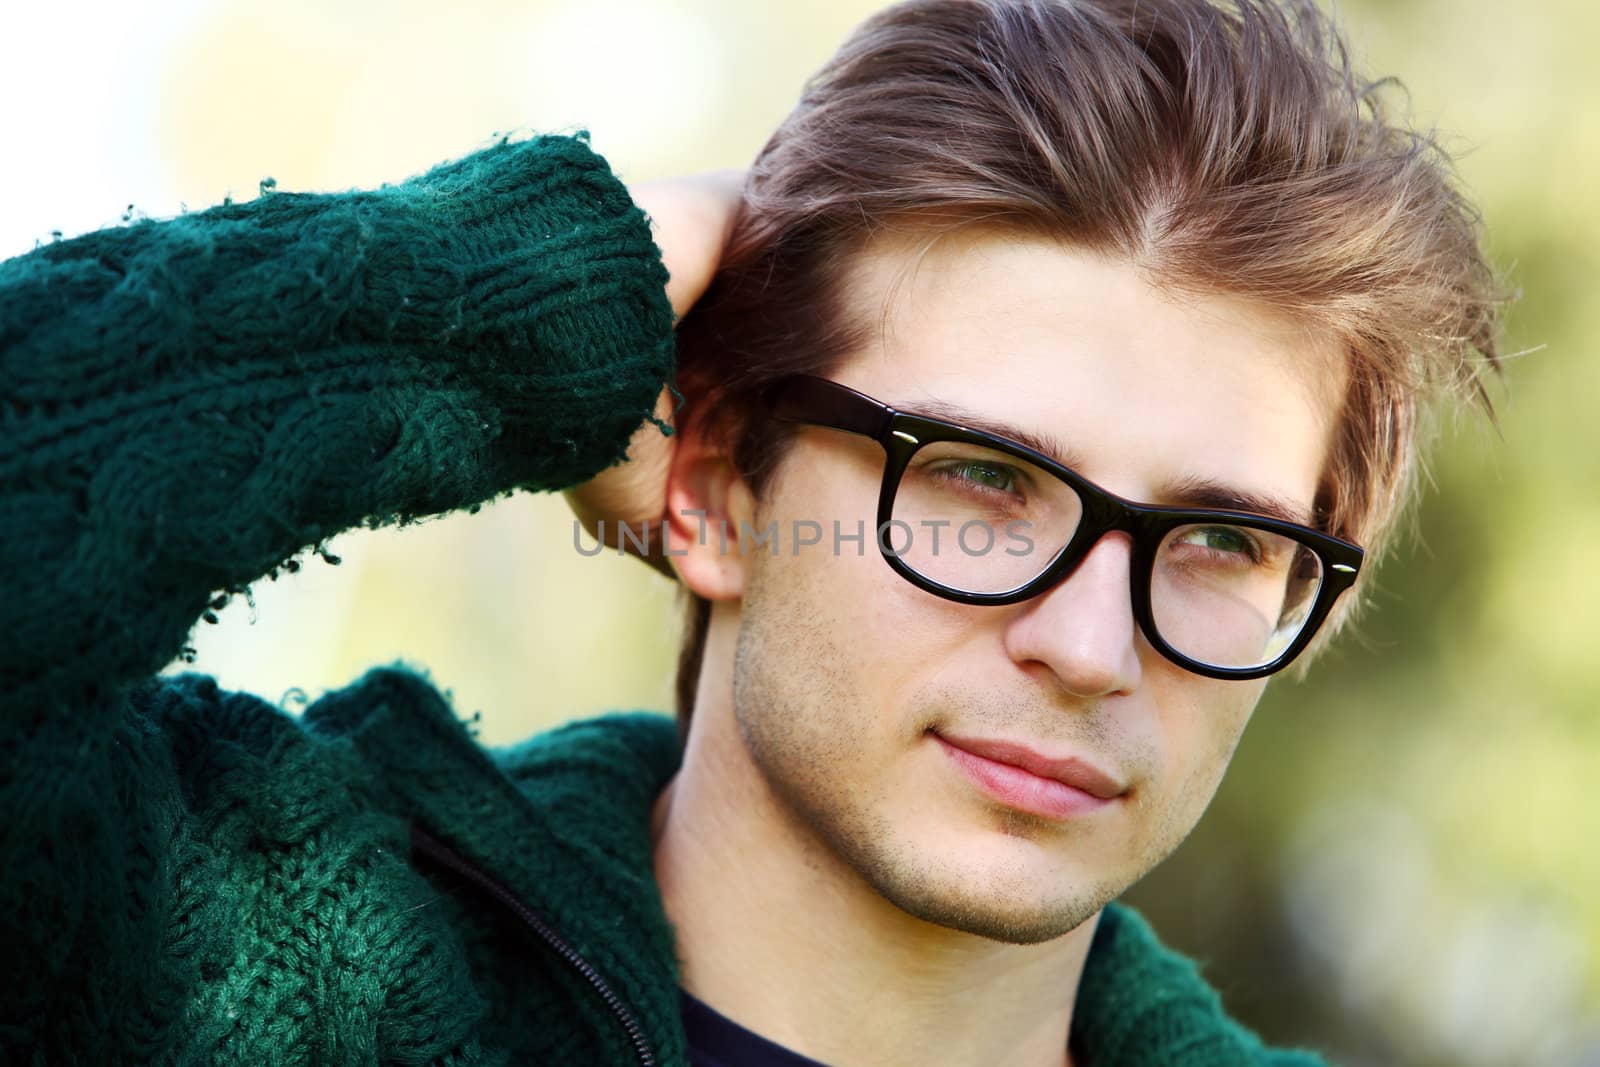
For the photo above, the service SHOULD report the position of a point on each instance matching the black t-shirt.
(717, 1041)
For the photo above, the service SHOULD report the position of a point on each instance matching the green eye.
(1229, 539)
(988, 475)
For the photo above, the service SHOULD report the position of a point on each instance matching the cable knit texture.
(195, 876)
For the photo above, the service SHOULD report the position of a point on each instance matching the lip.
(1020, 778)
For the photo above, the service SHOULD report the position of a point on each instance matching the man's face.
(848, 680)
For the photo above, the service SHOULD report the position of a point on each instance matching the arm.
(184, 406)
(187, 404)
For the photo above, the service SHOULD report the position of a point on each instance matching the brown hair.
(1221, 147)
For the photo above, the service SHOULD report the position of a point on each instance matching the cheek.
(835, 606)
(1202, 721)
(808, 693)
(829, 632)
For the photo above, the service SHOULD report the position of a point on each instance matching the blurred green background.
(1400, 868)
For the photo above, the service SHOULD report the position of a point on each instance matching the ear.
(707, 501)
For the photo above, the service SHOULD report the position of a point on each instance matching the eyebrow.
(1042, 443)
(1189, 492)
(1208, 493)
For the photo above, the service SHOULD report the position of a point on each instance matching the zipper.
(425, 843)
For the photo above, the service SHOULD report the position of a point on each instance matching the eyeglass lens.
(978, 520)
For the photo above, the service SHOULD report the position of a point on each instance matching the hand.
(690, 219)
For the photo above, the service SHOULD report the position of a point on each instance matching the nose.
(1083, 630)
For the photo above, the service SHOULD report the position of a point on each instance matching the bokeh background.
(1402, 866)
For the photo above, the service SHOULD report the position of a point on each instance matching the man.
(1139, 288)
(1160, 241)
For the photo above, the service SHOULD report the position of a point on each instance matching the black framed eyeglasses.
(980, 519)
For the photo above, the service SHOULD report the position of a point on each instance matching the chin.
(1012, 889)
(1028, 915)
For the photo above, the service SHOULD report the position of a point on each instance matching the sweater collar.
(563, 821)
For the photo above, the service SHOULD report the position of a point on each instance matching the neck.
(779, 934)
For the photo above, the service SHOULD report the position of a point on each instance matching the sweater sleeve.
(186, 404)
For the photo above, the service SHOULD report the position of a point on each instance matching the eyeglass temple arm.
(806, 398)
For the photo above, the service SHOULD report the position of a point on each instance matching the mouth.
(1053, 787)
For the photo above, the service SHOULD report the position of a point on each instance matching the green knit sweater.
(192, 875)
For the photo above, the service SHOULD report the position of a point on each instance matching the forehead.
(1145, 387)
